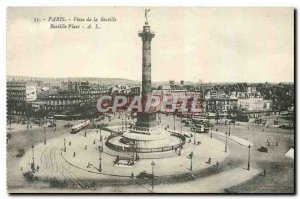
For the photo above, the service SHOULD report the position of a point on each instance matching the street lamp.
(102, 148)
(101, 140)
(210, 132)
(65, 149)
(181, 124)
(191, 157)
(100, 135)
(45, 141)
(229, 128)
(100, 159)
(226, 143)
(32, 165)
(174, 120)
(152, 164)
(249, 147)
(195, 135)
(133, 146)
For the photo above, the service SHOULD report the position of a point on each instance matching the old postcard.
(150, 100)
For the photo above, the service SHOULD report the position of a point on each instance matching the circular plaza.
(78, 156)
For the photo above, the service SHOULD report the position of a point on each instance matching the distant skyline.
(17, 78)
(191, 44)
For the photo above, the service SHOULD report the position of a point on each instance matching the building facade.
(223, 107)
(19, 95)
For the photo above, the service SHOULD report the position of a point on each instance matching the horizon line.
(35, 77)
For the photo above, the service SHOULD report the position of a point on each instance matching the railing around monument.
(145, 150)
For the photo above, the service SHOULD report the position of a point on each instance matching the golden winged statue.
(146, 14)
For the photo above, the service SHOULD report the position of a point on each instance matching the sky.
(190, 44)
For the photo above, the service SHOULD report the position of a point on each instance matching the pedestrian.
(74, 154)
(217, 163)
(85, 147)
(37, 168)
(209, 160)
(69, 143)
(265, 172)
(94, 141)
(277, 143)
(132, 175)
